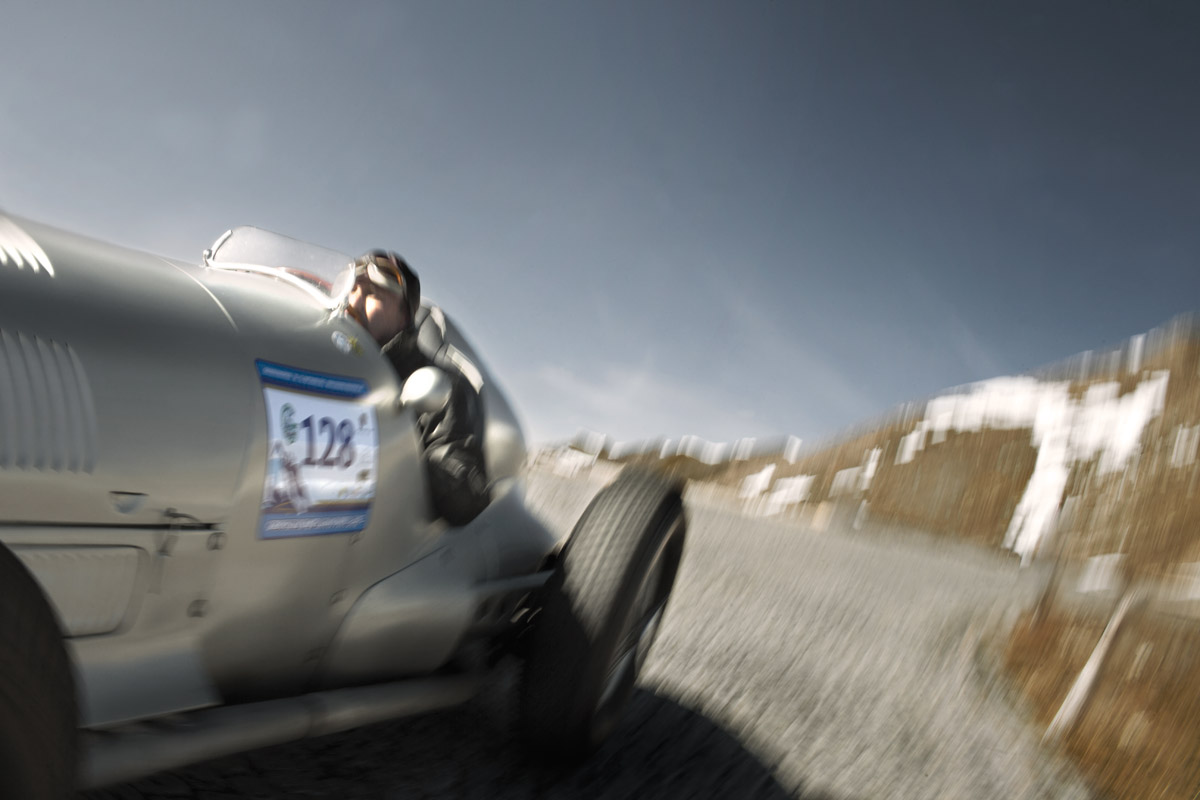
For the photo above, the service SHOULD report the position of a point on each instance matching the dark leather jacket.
(452, 439)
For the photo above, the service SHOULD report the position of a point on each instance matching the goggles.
(382, 271)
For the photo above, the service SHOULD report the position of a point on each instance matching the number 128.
(335, 433)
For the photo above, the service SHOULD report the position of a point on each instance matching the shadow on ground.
(662, 750)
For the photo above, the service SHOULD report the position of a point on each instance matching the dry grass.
(966, 486)
(1139, 734)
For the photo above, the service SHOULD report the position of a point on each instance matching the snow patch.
(869, 469)
(1137, 345)
(571, 462)
(846, 481)
(1064, 431)
(788, 492)
(756, 484)
(1101, 573)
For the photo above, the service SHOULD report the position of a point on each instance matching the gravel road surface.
(791, 664)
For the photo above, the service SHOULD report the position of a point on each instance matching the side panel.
(93, 589)
(121, 391)
(132, 603)
(413, 621)
(278, 601)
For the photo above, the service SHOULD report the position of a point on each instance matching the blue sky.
(655, 218)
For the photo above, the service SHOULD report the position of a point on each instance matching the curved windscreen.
(314, 269)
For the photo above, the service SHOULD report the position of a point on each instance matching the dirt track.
(792, 664)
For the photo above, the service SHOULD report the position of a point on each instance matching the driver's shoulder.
(431, 326)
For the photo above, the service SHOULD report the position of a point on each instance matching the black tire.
(37, 693)
(600, 613)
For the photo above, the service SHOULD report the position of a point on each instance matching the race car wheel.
(37, 692)
(600, 614)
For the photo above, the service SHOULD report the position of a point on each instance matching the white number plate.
(322, 453)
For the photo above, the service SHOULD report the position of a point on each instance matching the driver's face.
(384, 313)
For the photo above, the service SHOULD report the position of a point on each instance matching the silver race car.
(216, 531)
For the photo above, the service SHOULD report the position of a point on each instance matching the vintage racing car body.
(207, 472)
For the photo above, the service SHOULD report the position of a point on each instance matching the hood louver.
(47, 417)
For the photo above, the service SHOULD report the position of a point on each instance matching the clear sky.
(653, 218)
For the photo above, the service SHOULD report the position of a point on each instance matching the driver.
(386, 300)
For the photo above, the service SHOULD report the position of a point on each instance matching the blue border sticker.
(322, 454)
(306, 381)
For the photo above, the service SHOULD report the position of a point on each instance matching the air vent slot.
(47, 417)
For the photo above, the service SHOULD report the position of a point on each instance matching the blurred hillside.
(1094, 455)
(1089, 464)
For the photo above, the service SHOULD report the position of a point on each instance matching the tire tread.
(38, 716)
(599, 569)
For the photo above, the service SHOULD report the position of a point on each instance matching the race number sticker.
(323, 453)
